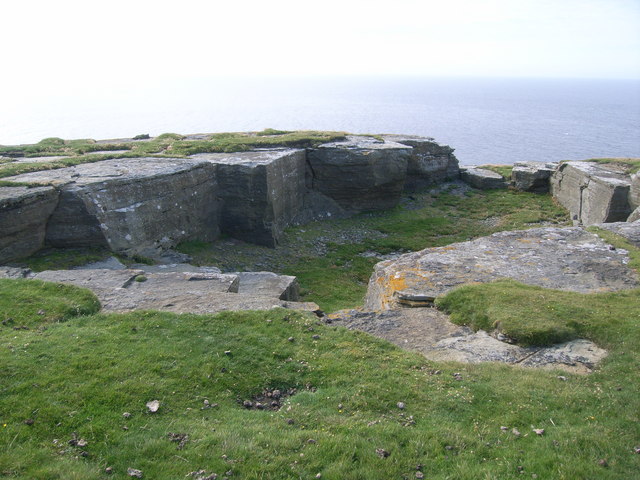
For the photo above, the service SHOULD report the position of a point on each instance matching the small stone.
(82, 443)
(448, 447)
(311, 441)
(290, 421)
(316, 337)
(134, 472)
(515, 431)
(108, 470)
(41, 312)
(419, 475)
(539, 431)
(259, 406)
(504, 429)
(520, 468)
(247, 404)
(400, 405)
(562, 377)
(318, 475)
(340, 406)
(227, 352)
(291, 339)
(153, 406)
(382, 453)
(636, 449)
(29, 421)
(603, 463)
(126, 415)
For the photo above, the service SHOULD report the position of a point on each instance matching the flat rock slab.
(283, 287)
(200, 291)
(561, 258)
(533, 176)
(628, 230)
(429, 332)
(481, 178)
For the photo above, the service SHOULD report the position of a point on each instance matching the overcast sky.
(74, 44)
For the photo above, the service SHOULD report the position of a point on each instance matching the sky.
(70, 41)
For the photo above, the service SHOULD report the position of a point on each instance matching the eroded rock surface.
(23, 219)
(628, 230)
(593, 193)
(562, 258)
(429, 332)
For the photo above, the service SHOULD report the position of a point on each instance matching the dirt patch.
(271, 398)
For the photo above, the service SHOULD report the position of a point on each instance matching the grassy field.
(74, 383)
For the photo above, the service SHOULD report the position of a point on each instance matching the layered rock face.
(592, 193)
(23, 218)
(429, 162)
(361, 173)
(145, 205)
(132, 206)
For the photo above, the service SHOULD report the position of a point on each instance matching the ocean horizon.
(486, 120)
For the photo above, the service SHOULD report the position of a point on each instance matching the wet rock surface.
(563, 258)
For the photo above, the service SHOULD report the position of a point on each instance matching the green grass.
(64, 258)
(164, 145)
(630, 165)
(504, 170)
(75, 376)
(337, 276)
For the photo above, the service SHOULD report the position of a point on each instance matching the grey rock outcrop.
(634, 191)
(628, 230)
(361, 173)
(591, 192)
(23, 218)
(635, 215)
(282, 287)
(262, 192)
(533, 176)
(562, 258)
(429, 163)
(136, 205)
(482, 178)
(429, 332)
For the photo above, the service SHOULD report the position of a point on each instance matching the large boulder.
(429, 162)
(532, 176)
(137, 205)
(592, 193)
(481, 178)
(361, 173)
(562, 258)
(23, 218)
(262, 192)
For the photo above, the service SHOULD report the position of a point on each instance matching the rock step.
(482, 178)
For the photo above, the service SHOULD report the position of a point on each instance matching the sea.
(486, 120)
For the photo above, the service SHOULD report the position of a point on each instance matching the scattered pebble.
(636, 449)
(316, 337)
(515, 431)
(41, 312)
(457, 376)
(419, 475)
(153, 406)
(29, 421)
(126, 415)
(291, 339)
(520, 468)
(504, 429)
(311, 441)
(562, 377)
(290, 421)
(134, 472)
(603, 463)
(539, 431)
(401, 405)
(227, 352)
(318, 475)
(108, 470)
(180, 438)
(247, 404)
(382, 453)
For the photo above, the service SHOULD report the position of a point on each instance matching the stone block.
(532, 176)
(591, 192)
(481, 178)
(361, 173)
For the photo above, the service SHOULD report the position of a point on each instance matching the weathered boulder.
(482, 178)
(262, 192)
(429, 162)
(628, 230)
(361, 173)
(533, 176)
(592, 193)
(563, 258)
(635, 215)
(137, 205)
(23, 219)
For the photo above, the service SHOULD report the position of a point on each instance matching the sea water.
(486, 120)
